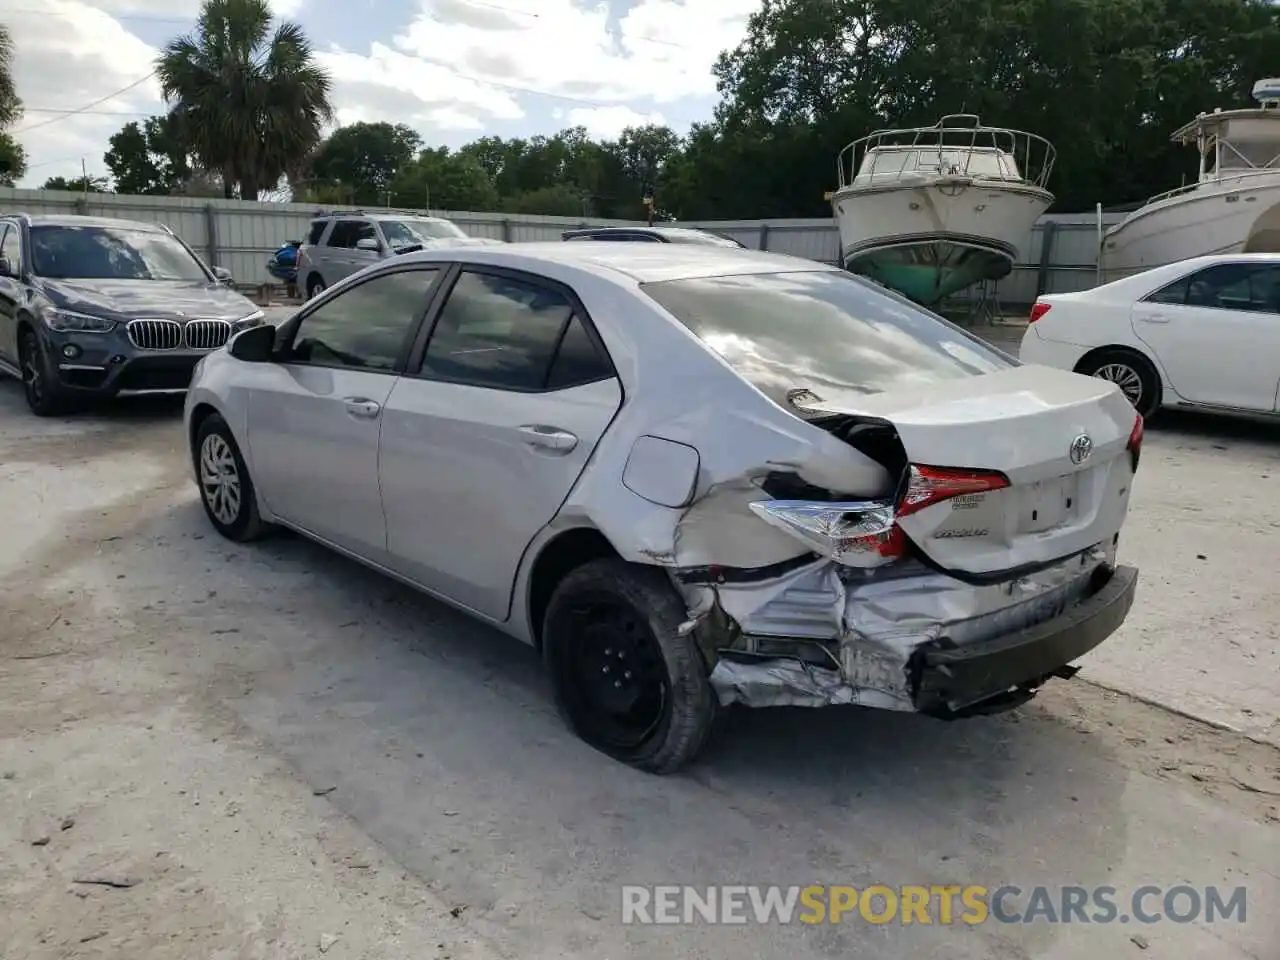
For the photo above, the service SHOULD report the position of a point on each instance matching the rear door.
(484, 438)
(341, 257)
(1216, 333)
(315, 417)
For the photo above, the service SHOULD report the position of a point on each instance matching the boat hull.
(1241, 215)
(931, 240)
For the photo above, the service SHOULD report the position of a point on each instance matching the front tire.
(226, 489)
(44, 396)
(626, 681)
(1132, 373)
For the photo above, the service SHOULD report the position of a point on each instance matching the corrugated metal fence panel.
(245, 234)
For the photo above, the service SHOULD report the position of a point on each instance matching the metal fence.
(1059, 256)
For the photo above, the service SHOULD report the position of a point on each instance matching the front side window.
(346, 233)
(500, 332)
(365, 327)
(111, 253)
(823, 331)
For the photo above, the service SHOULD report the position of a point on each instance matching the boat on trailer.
(928, 211)
(1233, 207)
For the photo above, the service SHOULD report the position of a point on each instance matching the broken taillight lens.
(1038, 310)
(1135, 442)
(857, 533)
(929, 485)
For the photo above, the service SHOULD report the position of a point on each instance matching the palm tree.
(252, 102)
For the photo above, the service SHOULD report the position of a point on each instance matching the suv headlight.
(252, 320)
(68, 321)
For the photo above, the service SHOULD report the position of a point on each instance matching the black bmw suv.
(92, 307)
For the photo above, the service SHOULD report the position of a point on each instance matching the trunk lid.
(1024, 423)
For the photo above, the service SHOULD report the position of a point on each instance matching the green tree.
(554, 200)
(365, 157)
(13, 161)
(150, 158)
(442, 180)
(78, 185)
(251, 100)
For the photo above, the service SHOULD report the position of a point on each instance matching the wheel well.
(1098, 352)
(314, 275)
(558, 558)
(199, 415)
(24, 326)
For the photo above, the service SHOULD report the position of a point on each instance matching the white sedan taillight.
(866, 533)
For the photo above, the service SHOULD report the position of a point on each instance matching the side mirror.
(367, 243)
(7, 269)
(254, 345)
(223, 275)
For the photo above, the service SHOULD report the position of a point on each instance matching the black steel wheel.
(626, 681)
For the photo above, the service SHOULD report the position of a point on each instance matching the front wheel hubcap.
(1124, 377)
(220, 479)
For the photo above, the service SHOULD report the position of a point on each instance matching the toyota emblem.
(1080, 448)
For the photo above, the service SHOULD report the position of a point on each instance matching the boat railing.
(959, 138)
(1212, 179)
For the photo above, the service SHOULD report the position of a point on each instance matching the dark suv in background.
(92, 307)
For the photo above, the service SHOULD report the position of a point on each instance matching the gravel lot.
(217, 751)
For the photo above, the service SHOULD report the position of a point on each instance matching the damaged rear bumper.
(923, 642)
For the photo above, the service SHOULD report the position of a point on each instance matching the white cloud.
(457, 66)
(66, 58)
(605, 123)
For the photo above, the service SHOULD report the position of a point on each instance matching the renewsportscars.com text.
(934, 904)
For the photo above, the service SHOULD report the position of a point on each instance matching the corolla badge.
(1080, 448)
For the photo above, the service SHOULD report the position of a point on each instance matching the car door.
(10, 290)
(314, 421)
(485, 438)
(1216, 333)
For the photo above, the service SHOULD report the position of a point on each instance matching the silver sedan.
(692, 476)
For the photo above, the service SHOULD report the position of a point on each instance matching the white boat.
(928, 211)
(1233, 207)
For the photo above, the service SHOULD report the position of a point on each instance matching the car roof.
(378, 215)
(644, 263)
(71, 220)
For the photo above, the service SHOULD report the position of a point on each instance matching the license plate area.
(1047, 504)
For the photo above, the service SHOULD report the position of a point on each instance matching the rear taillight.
(1135, 443)
(866, 533)
(1038, 310)
(929, 485)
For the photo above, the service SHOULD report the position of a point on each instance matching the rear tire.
(1133, 373)
(44, 396)
(226, 489)
(315, 286)
(626, 681)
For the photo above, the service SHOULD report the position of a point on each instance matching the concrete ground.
(209, 750)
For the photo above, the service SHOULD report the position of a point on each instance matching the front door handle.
(1154, 318)
(362, 407)
(549, 438)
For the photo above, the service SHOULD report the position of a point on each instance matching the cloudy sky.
(452, 69)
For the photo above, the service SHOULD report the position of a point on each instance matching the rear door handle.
(549, 438)
(362, 407)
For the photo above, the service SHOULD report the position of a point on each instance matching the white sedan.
(1203, 333)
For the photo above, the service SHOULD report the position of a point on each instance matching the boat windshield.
(890, 163)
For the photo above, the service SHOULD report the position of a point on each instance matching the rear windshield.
(816, 329)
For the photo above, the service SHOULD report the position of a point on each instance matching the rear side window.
(1252, 287)
(347, 232)
(501, 332)
(317, 231)
(822, 331)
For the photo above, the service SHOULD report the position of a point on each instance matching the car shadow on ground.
(1194, 425)
(416, 714)
(136, 407)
